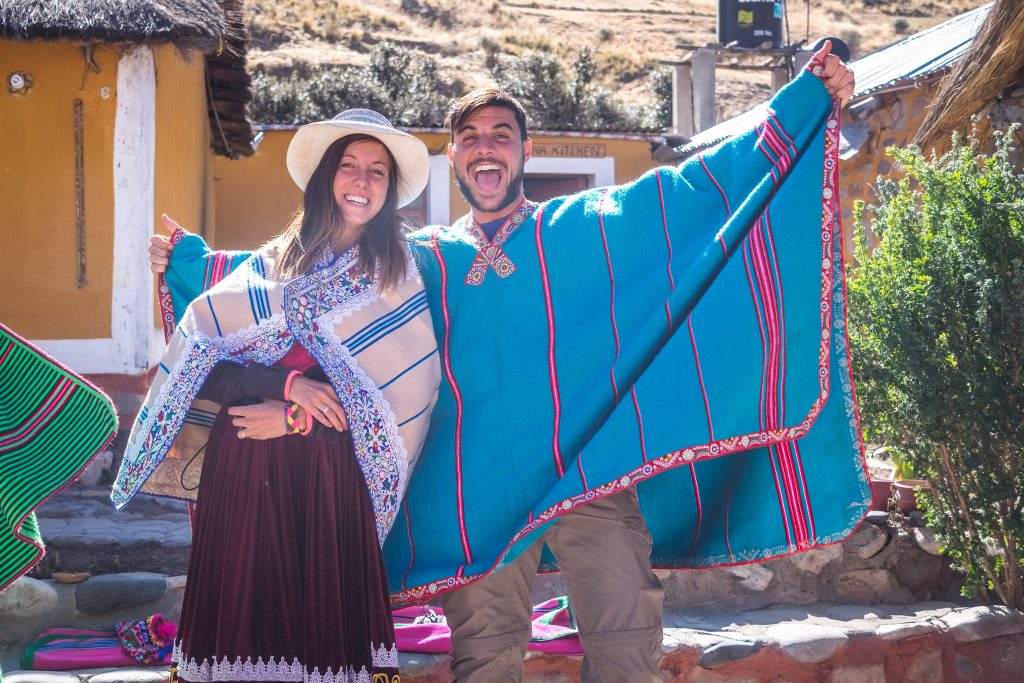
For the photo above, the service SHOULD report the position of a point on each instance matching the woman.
(300, 384)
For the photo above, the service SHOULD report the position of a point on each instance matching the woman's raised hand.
(260, 421)
(318, 400)
(160, 247)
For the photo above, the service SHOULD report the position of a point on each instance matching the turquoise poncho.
(689, 325)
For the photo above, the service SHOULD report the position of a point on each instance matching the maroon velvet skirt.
(285, 577)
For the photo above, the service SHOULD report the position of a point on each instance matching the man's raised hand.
(837, 77)
(160, 247)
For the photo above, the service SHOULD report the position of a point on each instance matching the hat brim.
(310, 142)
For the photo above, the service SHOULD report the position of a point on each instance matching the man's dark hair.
(475, 100)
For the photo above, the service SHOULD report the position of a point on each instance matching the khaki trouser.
(603, 549)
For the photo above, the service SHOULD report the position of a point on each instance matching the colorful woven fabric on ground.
(684, 333)
(52, 423)
(64, 649)
(147, 640)
(423, 629)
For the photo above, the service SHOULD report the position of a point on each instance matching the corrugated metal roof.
(914, 57)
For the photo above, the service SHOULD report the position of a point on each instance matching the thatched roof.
(214, 27)
(994, 63)
(188, 23)
(229, 87)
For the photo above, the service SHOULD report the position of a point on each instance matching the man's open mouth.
(487, 175)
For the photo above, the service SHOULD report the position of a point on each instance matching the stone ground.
(882, 606)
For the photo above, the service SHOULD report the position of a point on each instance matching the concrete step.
(919, 643)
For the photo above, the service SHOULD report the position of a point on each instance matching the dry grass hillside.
(630, 36)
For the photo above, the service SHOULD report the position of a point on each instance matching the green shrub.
(400, 83)
(937, 329)
(560, 96)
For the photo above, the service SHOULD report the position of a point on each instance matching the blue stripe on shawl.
(383, 326)
(200, 417)
(405, 422)
(253, 300)
(262, 298)
(382, 387)
(214, 316)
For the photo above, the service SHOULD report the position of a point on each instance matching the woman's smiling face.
(361, 182)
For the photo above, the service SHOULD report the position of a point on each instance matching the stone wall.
(893, 119)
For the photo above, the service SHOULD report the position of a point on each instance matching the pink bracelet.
(288, 383)
(309, 425)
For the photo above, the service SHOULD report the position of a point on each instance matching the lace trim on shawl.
(276, 669)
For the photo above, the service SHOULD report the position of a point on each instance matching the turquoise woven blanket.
(683, 333)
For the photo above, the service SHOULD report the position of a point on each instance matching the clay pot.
(881, 492)
(903, 493)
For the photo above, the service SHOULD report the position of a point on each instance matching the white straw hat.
(311, 141)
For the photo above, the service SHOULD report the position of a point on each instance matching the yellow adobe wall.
(183, 160)
(38, 256)
(256, 197)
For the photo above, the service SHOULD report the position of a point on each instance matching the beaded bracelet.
(288, 383)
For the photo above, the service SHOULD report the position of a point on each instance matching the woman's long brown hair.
(382, 243)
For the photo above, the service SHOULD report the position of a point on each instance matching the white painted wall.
(130, 346)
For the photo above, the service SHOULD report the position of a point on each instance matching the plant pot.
(881, 492)
(903, 493)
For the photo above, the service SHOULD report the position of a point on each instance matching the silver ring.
(241, 433)
(325, 409)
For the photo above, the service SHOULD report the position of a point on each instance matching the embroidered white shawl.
(377, 349)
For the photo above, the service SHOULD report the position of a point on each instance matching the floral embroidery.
(489, 252)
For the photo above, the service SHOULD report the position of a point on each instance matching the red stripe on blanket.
(668, 245)
(50, 405)
(549, 309)
(446, 317)
(611, 284)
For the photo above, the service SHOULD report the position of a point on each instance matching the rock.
(808, 643)
(878, 518)
(677, 639)
(967, 667)
(814, 561)
(93, 474)
(39, 677)
(70, 577)
(870, 585)
(926, 668)
(27, 597)
(871, 673)
(175, 582)
(981, 623)
(925, 539)
(703, 676)
(868, 541)
(905, 630)
(755, 577)
(131, 676)
(110, 592)
(729, 651)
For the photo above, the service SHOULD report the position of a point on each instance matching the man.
(588, 344)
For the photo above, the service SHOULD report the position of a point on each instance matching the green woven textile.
(52, 423)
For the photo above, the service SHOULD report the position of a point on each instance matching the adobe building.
(110, 113)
